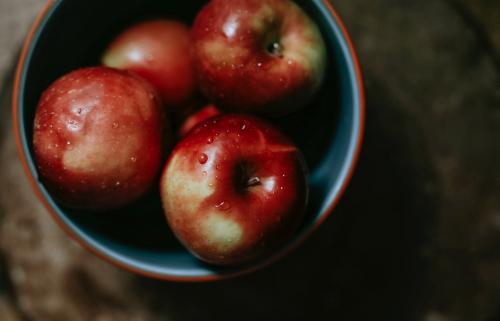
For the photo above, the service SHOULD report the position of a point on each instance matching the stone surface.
(416, 236)
(15, 18)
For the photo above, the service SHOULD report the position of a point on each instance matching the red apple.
(199, 116)
(160, 52)
(258, 56)
(98, 138)
(233, 189)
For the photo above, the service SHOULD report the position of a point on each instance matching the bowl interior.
(73, 34)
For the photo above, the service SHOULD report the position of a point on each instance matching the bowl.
(73, 34)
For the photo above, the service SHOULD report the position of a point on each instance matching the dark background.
(416, 237)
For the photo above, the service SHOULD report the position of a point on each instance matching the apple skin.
(160, 52)
(234, 189)
(99, 138)
(258, 56)
(198, 117)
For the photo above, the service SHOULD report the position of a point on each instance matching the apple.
(196, 118)
(99, 138)
(160, 52)
(234, 189)
(258, 56)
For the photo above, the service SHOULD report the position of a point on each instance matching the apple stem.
(253, 181)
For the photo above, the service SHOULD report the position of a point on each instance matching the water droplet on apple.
(204, 173)
(118, 183)
(133, 159)
(223, 206)
(283, 175)
(217, 166)
(259, 64)
(210, 140)
(73, 125)
(244, 126)
(115, 125)
(202, 158)
(79, 111)
(282, 188)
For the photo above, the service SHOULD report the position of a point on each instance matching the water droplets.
(73, 125)
(202, 158)
(116, 125)
(204, 173)
(133, 159)
(259, 64)
(210, 140)
(223, 206)
(244, 126)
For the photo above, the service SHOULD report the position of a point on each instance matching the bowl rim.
(22, 151)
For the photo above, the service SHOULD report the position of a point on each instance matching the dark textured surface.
(416, 237)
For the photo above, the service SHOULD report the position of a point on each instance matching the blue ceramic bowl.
(71, 34)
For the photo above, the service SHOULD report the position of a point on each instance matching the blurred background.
(416, 236)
